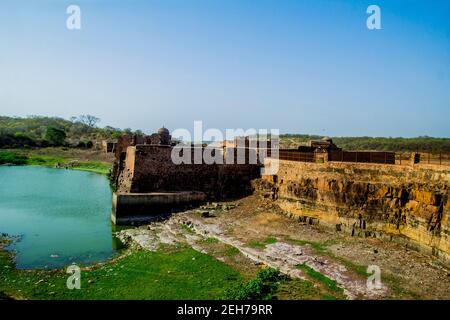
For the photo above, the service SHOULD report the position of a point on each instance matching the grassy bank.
(181, 273)
(170, 273)
(12, 158)
(53, 158)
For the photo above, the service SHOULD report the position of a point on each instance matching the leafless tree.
(89, 120)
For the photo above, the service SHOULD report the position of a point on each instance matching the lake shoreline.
(101, 172)
(64, 216)
(134, 274)
(62, 158)
(8, 263)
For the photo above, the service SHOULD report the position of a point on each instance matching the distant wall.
(362, 156)
(410, 204)
(320, 156)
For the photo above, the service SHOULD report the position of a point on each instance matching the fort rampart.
(409, 204)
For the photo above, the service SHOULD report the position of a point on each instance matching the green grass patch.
(187, 228)
(231, 251)
(329, 297)
(209, 240)
(97, 167)
(322, 279)
(262, 244)
(48, 161)
(318, 247)
(52, 161)
(358, 269)
(12, 158)
(172, 274)
(7, 157)
(298, 289)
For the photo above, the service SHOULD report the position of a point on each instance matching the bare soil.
(253, 232)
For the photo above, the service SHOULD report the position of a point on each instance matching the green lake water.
(61, 216)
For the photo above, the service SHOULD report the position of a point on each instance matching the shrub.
(260, 288)
(12, 158)
(55, 136)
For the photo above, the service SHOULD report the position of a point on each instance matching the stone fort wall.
(149, 168)
(408, 204)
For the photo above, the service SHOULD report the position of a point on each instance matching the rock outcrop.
(407, 204)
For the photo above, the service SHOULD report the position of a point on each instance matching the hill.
(82, 131)
(38, 131)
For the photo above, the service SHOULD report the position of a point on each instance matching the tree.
(55, 136)
(89, 120)
(116, 134)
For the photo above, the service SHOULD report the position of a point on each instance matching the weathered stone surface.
(141, 207)
(368, 200)
(281, 255)
(149, 168)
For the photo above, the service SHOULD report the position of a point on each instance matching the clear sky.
(298, 66)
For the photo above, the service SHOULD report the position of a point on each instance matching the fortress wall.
(409, 204)
(144, 207)
(149, 168)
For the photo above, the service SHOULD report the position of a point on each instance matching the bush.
(12, 158)
(17, 139)
(260, 288)
(55, 136)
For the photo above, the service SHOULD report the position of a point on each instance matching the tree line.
(397, 144)
(39, 131)
(83, 131)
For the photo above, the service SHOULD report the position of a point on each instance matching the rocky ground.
(252, 232)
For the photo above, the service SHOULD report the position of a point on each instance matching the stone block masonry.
(149, 168)
(407, 204)
(149, 183)
(143, 207)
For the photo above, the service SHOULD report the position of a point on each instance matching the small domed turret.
(163, 131)
(164, 137)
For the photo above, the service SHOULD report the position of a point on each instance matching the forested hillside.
(82, 131)
(38, 131)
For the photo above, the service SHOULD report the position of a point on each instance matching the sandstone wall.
(145, 207)
(403, 203)
(149, 168)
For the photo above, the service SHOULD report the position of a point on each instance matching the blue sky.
(298, 66)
